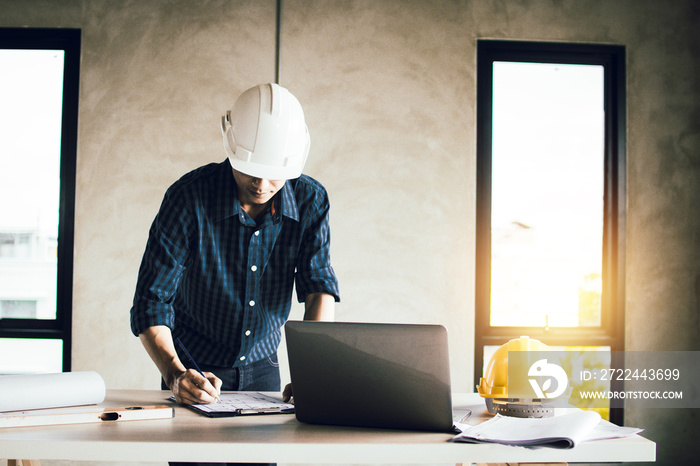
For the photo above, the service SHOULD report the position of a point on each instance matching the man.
(225, 250)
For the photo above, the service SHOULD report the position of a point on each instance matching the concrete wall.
(388, 88)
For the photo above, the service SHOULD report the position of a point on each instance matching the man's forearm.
(158, 342)
(319, 306)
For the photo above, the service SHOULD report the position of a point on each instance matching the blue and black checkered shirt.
(222, 282)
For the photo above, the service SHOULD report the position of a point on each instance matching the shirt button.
(254, 268)
(247, 333)
(251, 303)
(242, 358)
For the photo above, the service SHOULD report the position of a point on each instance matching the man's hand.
(190, 387)
(287, 394)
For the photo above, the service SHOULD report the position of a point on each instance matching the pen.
(194, 363)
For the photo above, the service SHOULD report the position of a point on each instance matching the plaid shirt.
(222, 282)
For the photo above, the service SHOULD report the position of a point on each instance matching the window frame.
(611, 331)
(68, 40)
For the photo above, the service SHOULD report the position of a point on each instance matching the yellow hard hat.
(514, 396)
(495, 383)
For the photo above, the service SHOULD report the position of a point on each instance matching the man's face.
(256, 191)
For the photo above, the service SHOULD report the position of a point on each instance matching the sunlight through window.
(547, 194)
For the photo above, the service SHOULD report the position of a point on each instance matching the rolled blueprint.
(39, 391)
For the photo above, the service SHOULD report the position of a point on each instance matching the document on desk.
(242, 404)
(564, 431)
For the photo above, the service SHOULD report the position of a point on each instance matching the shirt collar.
(226, 202)
(285, 202)
(224, 193)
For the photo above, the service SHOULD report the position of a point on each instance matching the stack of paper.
(564, 431)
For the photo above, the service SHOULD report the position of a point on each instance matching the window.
(38, 138)
(550, 195)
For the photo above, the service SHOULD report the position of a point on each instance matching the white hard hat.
(265, 135)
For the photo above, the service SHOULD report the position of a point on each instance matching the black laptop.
(394, 376)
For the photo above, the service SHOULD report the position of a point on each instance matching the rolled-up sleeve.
(314, 271)
(164, 261)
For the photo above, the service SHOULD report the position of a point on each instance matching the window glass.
(31, 92)
(547, 195)
(30, 356)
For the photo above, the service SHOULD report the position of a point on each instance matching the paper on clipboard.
(243, 404)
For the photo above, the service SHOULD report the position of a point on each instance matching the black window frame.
(69, 41)
(611, 331)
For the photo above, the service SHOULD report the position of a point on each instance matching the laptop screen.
(370, 375)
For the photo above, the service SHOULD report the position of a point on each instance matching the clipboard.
(243, 404)
(84, 415)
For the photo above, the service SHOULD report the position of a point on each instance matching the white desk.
(280, 438)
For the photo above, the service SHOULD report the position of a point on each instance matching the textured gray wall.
(389, 93)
